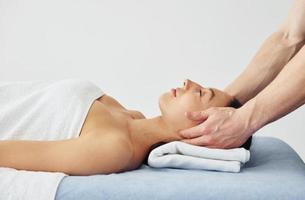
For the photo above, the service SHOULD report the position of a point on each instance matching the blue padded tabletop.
(274, 171)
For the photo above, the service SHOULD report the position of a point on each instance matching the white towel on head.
(186, 156)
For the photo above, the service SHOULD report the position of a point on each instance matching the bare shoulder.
(110, 101)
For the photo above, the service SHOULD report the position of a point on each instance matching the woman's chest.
(104, 120)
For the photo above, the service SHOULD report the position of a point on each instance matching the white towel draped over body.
(186, 156)
(41, 110)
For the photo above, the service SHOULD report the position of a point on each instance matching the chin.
(164, 102)
(162, 97)
(161, 103)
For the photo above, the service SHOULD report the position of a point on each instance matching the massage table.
(275, 171)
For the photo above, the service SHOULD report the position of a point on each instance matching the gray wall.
(136, 50)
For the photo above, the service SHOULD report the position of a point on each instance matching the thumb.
(196, 115)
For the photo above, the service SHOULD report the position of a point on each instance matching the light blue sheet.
(274, 171)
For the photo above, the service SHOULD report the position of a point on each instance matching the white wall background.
(136, 50)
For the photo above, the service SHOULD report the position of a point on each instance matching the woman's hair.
(234, 104)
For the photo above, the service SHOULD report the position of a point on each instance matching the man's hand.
(221, 127)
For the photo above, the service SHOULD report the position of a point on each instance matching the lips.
(173, 92)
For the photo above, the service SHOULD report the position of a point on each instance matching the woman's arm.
(79, 156)
(273, 55)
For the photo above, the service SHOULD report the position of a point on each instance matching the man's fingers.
(214, 147)
(193, 131)
(199, 141)
(196, 115)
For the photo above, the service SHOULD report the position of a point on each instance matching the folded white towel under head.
(186, 156)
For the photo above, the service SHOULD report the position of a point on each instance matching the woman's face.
(190, 97)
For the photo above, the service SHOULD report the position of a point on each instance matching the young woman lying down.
(71, 126)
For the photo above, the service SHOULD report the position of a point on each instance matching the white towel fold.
(186, 156)
(28, 185)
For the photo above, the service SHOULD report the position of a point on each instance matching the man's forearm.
(284, 94)
(273, 55)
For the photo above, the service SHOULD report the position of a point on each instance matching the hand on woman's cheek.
(191, 97)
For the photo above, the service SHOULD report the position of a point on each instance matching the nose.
(187, 84)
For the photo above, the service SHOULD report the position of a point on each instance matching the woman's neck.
(147, 132)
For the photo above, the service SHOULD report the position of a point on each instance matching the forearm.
(78, 156)
(284, 94)
(35, 155)
(273, 55)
